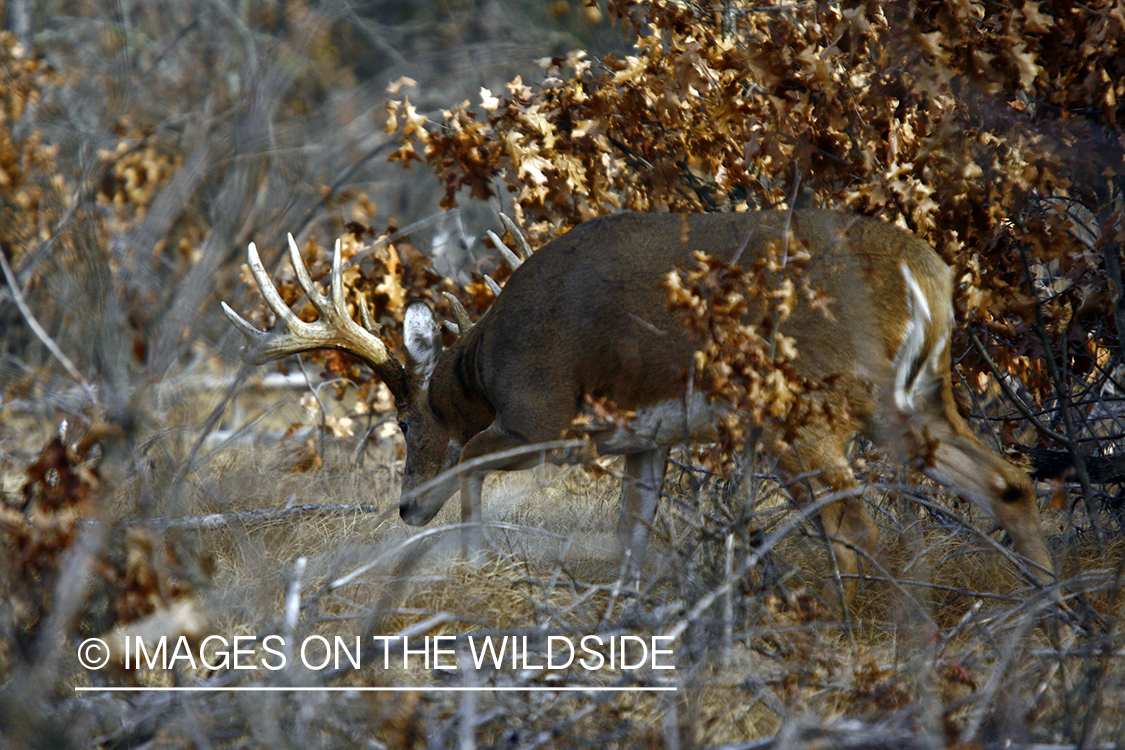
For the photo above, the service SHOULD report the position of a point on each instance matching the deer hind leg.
(640, 494)
(816, 466)
(472, 517)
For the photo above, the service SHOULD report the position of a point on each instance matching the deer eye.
(402, 426)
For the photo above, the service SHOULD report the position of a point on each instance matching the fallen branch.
(256, 516)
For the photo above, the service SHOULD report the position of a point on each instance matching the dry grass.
(954, 648)
(946, 649)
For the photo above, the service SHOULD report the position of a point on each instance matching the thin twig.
(33, 322)
(1079, 460)
(1010, 394)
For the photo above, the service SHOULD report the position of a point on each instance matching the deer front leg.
(472, 518)
(494, 440)
(850, 527)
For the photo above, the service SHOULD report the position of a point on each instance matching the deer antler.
(514, 261)
(334, 329)
(524, 248)
(463, 322)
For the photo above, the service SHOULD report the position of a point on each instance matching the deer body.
(586, 315)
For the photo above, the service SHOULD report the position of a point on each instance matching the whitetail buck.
(586, 315)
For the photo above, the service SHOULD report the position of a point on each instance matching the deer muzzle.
(420, 503)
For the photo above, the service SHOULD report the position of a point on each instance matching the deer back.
(586, 314)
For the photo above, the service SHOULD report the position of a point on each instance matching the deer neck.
(455, 392)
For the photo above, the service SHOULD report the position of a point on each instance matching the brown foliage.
(739, 362)
(29, 180)
(136, 574)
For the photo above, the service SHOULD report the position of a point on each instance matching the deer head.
(431, 447)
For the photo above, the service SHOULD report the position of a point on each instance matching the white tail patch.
(909, 372)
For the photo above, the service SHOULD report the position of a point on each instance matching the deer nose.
(412, 512)
(422, 500)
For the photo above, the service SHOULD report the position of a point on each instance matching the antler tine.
(338, 301)
(459, 312)
(368, 321)
(257, 339)
(303, 278)
(521, 241)
(496, 288)
(506, 253)
(252, 334)
(268, 290)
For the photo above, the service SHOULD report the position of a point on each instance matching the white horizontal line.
(450, 689)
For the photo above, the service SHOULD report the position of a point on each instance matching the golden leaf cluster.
(136, 575)
(744, 360)
(30, 182)
(135, 170)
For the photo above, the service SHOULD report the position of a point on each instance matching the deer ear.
(422, 337)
